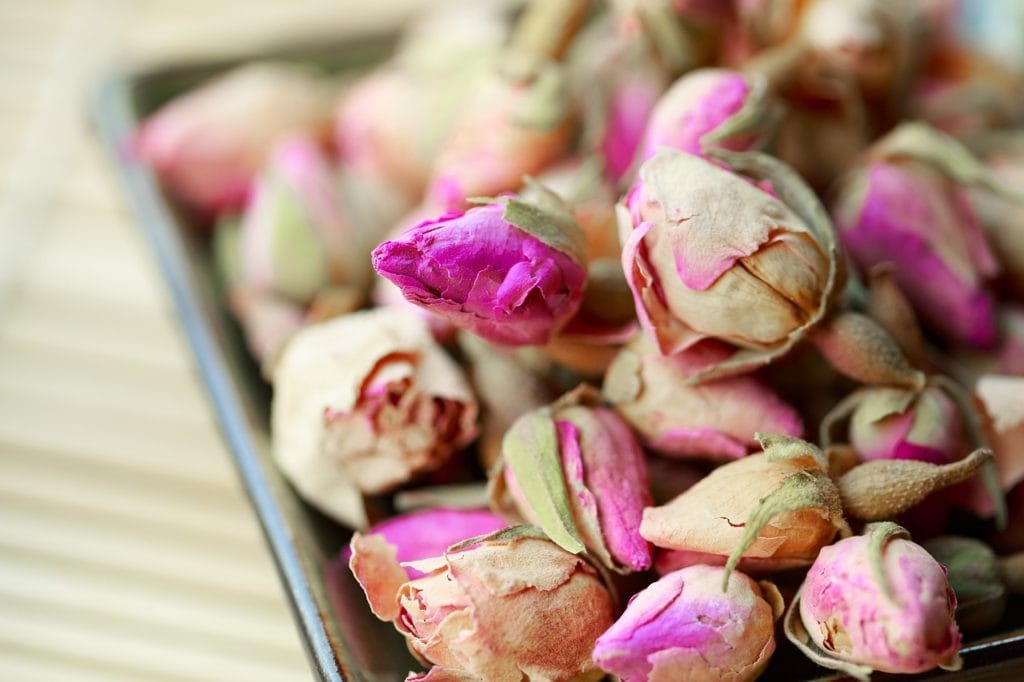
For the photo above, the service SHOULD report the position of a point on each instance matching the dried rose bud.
(684, 34)
(709, 107)
(393, 121)
(1002, 216)
(779, 508)
(428, 533)
(876, 602)
(510, 271)
(974, 575)
(685, 626)
(296, 238)
(364, 403)
(711, 255)
(1000, 401)
(713, 419)
(575, 469)
(911, 211)
(488, 610)
(875, 41)
(508, 129)
(209, 143)
(892, 423)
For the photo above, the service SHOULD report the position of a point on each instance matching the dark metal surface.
(343, 640)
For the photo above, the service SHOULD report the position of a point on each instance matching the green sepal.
(805, 489)
(546, 102)
(879, 535)
(530, 449)
(550, 223)
(505, 535)
(782, 448)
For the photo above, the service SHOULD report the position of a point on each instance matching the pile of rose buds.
(724, 300)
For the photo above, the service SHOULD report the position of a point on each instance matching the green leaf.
(556, 228)
(530, 450)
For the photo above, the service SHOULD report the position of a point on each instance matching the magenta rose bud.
(880, 602)
(510, 272)
(911, 214)
(428, 533)
(209, 143)
(603, 488)
(701, 108)
(685, 627)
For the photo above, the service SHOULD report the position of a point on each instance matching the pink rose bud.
(876, 602)
(393, 121)
(575, 469)
(296, 238)
(892, 423)
(428, 533)
(685, 626)
(510, 271)
(911, 212)
(711, 255)
(708, 107)
(714, 419)
(488, 610)
(209, 144)
(507, 130)
(363, 403)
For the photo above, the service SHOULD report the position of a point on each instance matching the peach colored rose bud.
(393, 121)
(296, 238)
(209, 143)
(779, 508)
(974, 575)
(910, 211)
(709, 107)
(508, 129)
(576, 470)
(876, 602)
(713, 419)
(429, 532)
(710, 255)
(510, 271)
(488, 610)
(364, 403)
(685, 626)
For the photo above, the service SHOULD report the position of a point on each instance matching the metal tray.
(343, 640)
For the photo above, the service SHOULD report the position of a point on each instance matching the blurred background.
(127, 548)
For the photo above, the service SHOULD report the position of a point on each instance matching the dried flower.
(429, 532)
(974, 575)
(892, 423)
(363, 403)
(1003, 216)
(797, 508)
(487, 610)
(913, 211)
(393, 121)
(713, 419)
(876, 602)
(510, 271)
(706, 107)
(508, 129)
(296, 238)
(685, 627)
(209, 143)
(711, 255)
(576, 470)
